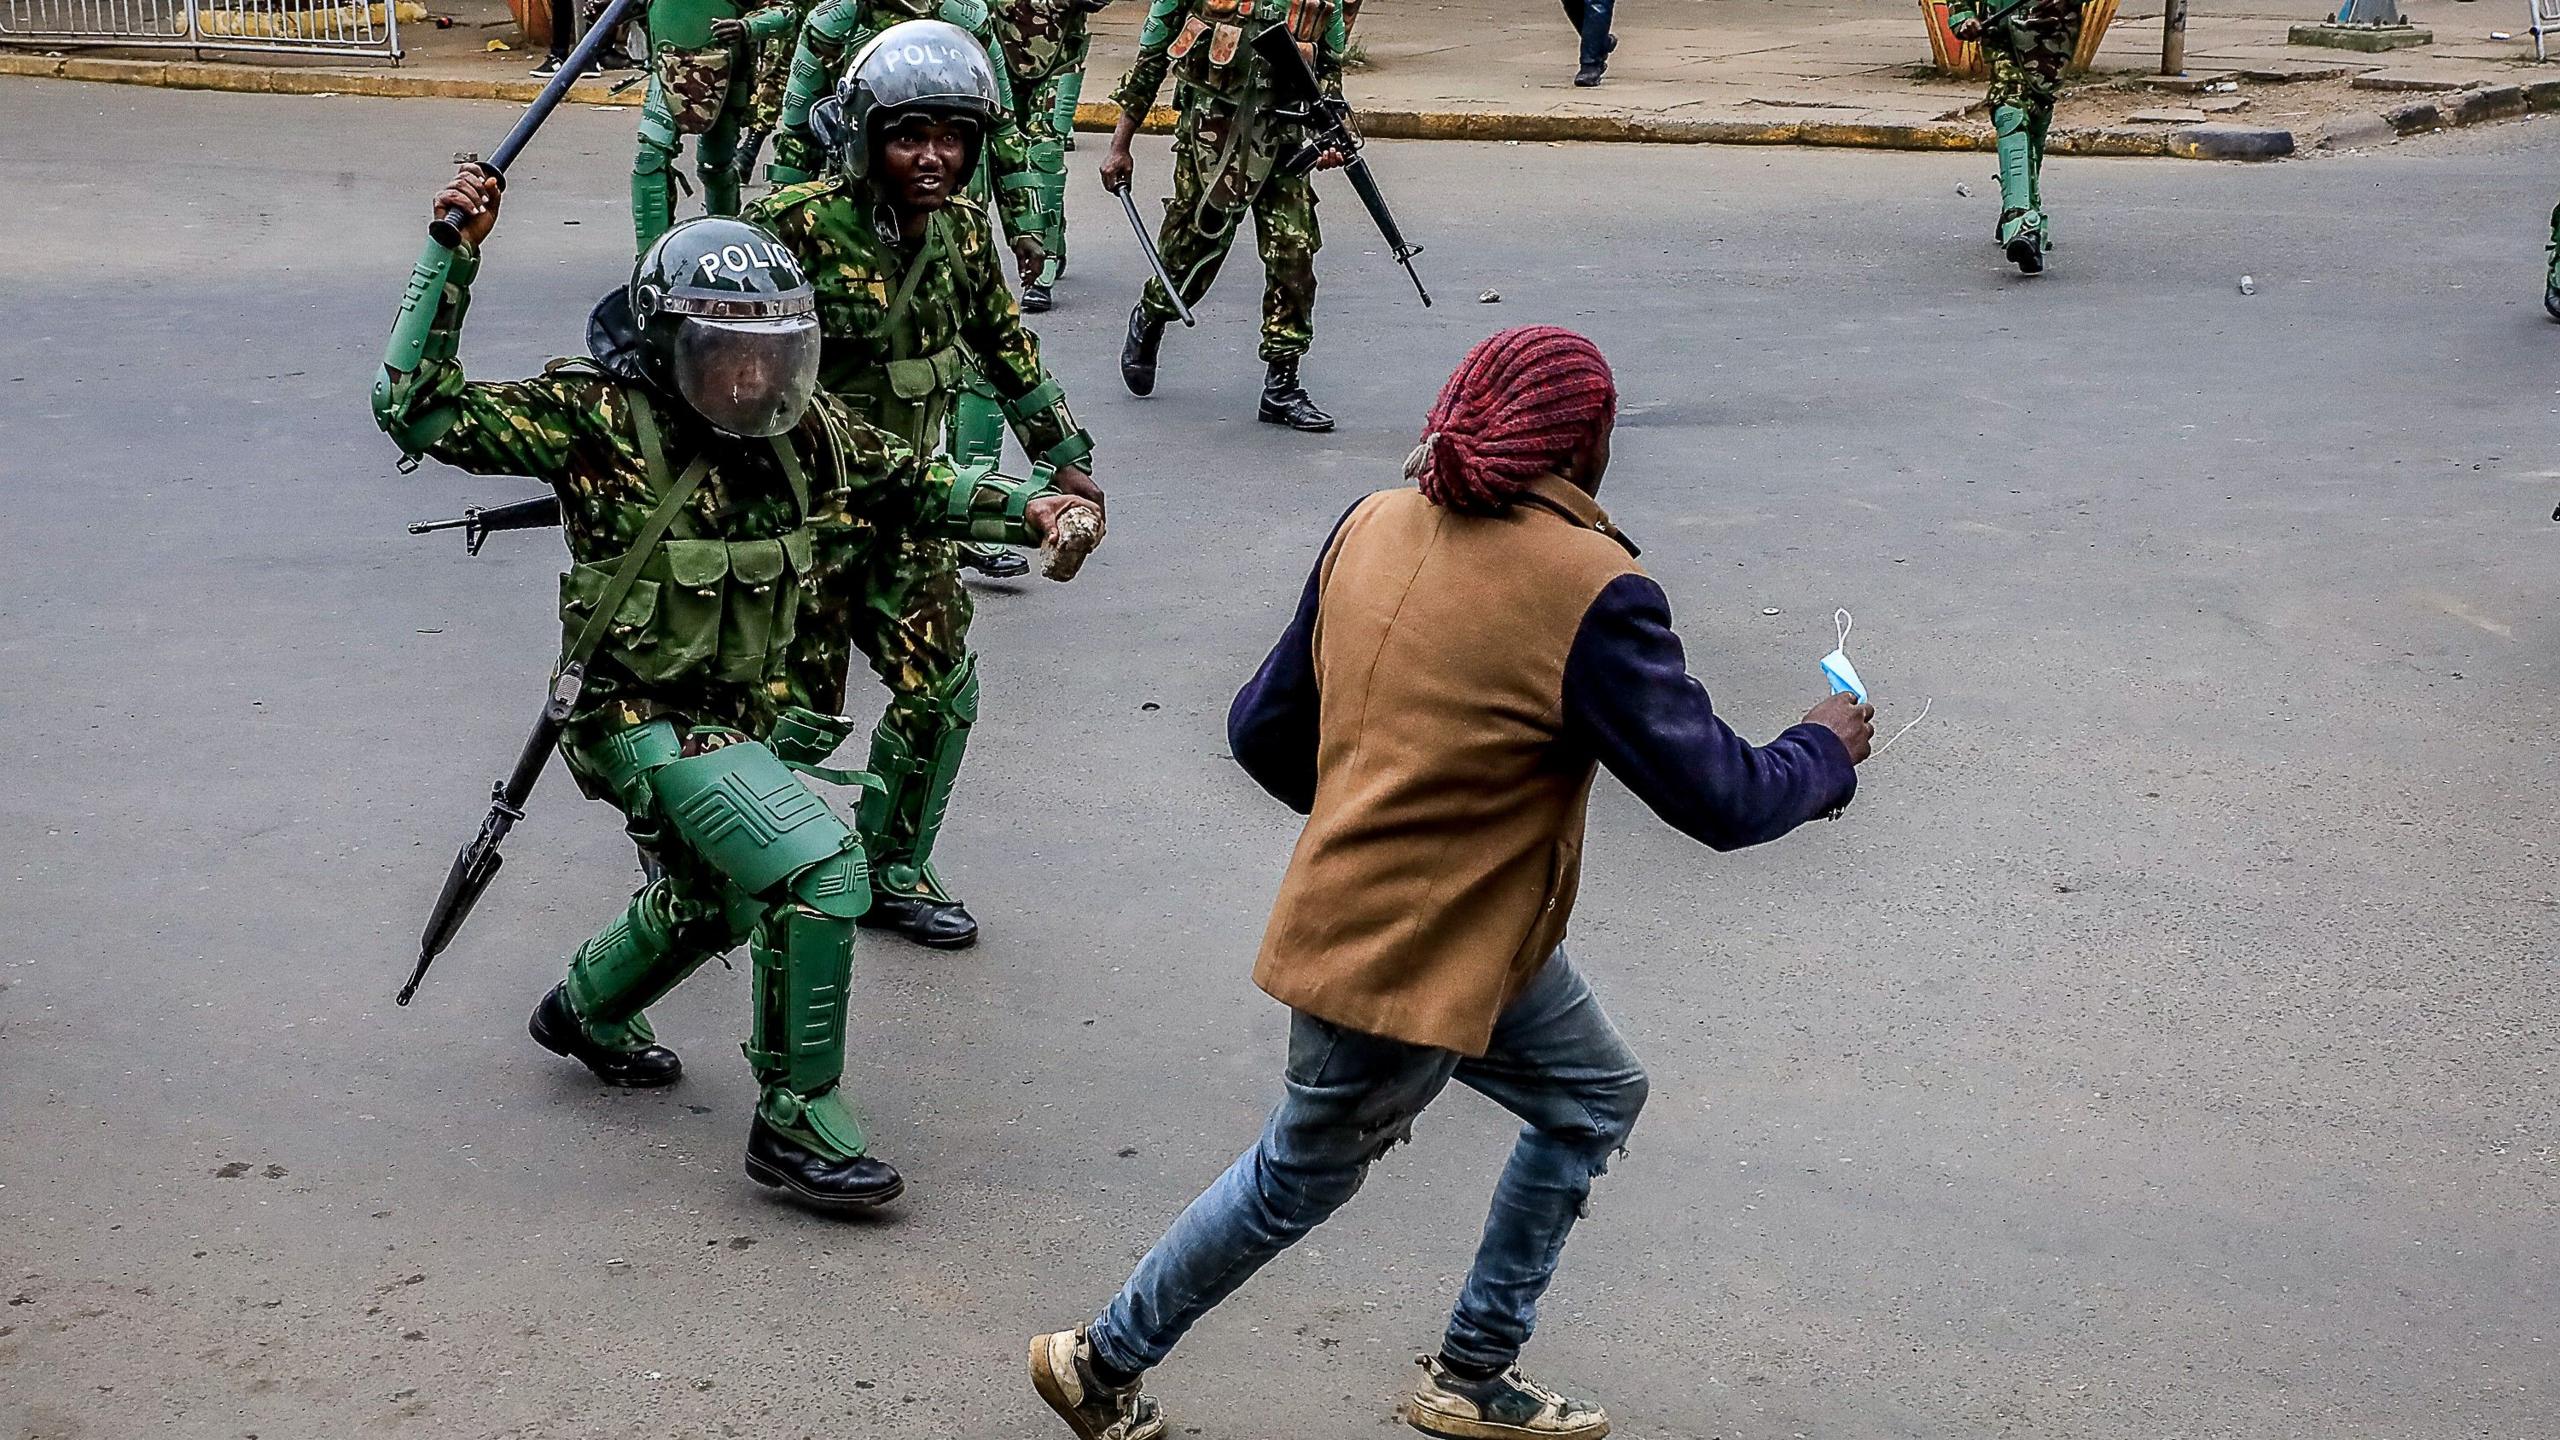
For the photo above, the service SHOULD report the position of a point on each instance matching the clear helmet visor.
(747, 377)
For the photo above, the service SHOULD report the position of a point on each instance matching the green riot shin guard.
(1062, 115)
(977, 422)
(2021, 228)
(803, 966)
(717, 156)
(632, 963)
(653, 202)
(916, 753)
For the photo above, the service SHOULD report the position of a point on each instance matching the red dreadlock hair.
(1519, 406)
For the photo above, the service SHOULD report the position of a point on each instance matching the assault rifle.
(479, 522)
(477, 863)
(1326, 123)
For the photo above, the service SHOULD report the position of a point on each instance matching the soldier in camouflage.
(702, 66)
(1227, 149)
(706, 489)
(1043, 44)
(911, 293)
(2028, 43)
(1005, 183)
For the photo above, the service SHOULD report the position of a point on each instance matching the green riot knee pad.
(632, 963)
(653, 203)
(803, 968)
(748, 816)
(916, 753)
(977, 422)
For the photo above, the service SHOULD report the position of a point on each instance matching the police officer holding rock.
(911, 295)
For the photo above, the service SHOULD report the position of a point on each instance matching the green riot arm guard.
(424, 339)
(771, 23)
(979, 504)
(1042, 411)
(825, 39)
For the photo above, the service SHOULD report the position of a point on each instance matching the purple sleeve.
(1630, 700)
(1271, 727)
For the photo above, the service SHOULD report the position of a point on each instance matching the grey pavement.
(2162, 1046)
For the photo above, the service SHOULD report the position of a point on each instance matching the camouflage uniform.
(869, 501)
(702, 87)
(835, 31)
(1227, 153)
(2029, 43)
(1042, 45)
(898, 364)
(2028, 47)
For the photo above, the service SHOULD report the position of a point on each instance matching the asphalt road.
(2162, 1046)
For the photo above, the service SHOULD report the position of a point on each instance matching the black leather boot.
(777, 1160)
(1138, 355)
(1036, 298)
(1285, 401)
(555, 1028)
(936, 924)
(996, 562)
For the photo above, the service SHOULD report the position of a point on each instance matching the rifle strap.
(671, 500)
(926, 254)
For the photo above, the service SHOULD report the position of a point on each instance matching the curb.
(2209, 141)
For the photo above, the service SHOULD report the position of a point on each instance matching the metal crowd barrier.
(295, 27)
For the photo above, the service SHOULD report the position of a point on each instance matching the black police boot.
(1036, 298)
(996, 562)
(930, 922)
(555, 1028)
(775, 1159)
(1285, 401)
(1138, 355)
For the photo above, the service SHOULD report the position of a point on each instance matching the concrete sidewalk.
(1829, 72)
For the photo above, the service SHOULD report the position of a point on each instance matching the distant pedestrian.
(565, 29)
(1591, 20)
(1466, 652)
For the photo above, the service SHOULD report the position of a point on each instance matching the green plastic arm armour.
(427, 332)
(980, 504)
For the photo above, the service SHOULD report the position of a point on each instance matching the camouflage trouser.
(2028, 49)
(1209, 202)
(910, 619)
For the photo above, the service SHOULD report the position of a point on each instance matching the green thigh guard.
(749, 817)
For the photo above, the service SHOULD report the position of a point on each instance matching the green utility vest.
(691, 609)
(910, 394)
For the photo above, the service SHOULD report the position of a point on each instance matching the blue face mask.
(1836, 667)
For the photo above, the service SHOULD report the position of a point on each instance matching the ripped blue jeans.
(1555, 1061)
